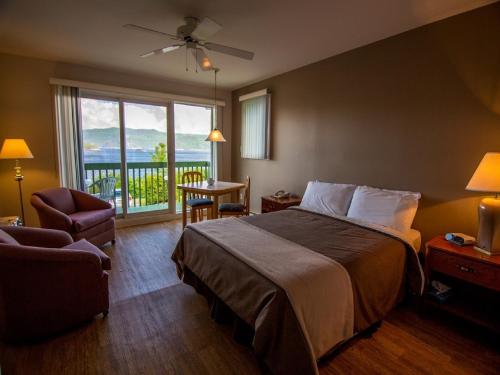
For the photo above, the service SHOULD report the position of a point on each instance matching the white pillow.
(327, 198)
(391, 208)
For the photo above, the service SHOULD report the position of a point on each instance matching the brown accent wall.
(416, 111)
(26, 111)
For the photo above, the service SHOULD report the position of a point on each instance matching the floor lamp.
(17, 149)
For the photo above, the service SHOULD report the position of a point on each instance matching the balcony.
(147, 182)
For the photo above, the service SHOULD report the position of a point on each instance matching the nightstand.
(473, 276)
(271, 204)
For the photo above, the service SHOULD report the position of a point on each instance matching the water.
(112, 155)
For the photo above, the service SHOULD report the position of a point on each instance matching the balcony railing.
(147, 181)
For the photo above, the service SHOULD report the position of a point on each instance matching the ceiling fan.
(194, 35)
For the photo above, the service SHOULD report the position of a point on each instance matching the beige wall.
(26, 112)
(416, 111)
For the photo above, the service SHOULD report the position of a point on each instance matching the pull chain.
(215, 86)
(196, 58)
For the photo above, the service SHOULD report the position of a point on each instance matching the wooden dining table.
(213, 191)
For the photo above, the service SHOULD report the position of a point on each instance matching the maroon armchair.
(80, 214)
(48, 283)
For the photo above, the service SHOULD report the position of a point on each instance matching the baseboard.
(146, 219)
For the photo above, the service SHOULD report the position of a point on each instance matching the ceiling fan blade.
(202, 59)
(150, 31)
(247, 55)
(160, 51)
(205, 29)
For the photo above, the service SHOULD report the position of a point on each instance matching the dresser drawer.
(465, 269)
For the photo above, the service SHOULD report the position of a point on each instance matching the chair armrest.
(50, 217)
(50, 238)
(87, 202)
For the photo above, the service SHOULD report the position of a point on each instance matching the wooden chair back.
(246, 196)
(192, 177)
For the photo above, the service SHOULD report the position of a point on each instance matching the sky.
(189, 119)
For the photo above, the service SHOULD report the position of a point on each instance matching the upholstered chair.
(80, 214)
(48, 283)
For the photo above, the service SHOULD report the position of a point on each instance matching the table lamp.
(486, 178)
(16, 149)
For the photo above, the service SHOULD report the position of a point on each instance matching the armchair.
(48, 283)
(81, 215)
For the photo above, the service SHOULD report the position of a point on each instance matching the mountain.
(141, 138)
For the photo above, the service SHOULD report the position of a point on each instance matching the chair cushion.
(231, 207)
(86, 219)
(84, 245)
(7, 239)
(58, 198)
(198, 202)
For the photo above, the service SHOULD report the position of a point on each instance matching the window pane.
(254, 132)
(146, 148)
(101, 148)
(193, 123)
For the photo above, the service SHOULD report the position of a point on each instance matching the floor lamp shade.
(486, 178)
(17, 149)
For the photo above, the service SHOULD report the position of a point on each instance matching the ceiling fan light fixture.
(206, 63)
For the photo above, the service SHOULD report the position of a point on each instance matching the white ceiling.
(284, 34)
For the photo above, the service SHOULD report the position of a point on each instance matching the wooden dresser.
(474, 277)
(271, 204)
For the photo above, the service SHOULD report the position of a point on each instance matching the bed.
(304, 282)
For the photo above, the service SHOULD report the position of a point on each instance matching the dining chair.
(237, 209)
(196, 202)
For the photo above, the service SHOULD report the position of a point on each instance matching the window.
(131, 147)
(255, 120)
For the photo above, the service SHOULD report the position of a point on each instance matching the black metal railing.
(147, 181)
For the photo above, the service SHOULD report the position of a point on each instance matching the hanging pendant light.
(215, 135)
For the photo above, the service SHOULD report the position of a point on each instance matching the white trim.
(124, 92)
(254, 94)
(146, 219)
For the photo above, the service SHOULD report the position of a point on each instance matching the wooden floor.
(157, 325)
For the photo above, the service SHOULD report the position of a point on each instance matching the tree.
(160, 154)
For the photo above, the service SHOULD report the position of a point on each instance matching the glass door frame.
(170, 156)
(124, 178)
(213, 121)
(213, 145)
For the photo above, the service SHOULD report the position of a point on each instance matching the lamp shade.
(215, 136)
(15, 149)
(487, 175)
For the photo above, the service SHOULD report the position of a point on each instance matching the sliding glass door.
(193, 123)
(146, 156)
(102, 156)
(127, 144)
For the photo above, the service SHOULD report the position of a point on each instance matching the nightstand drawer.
(465, 269)
(267, 206)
